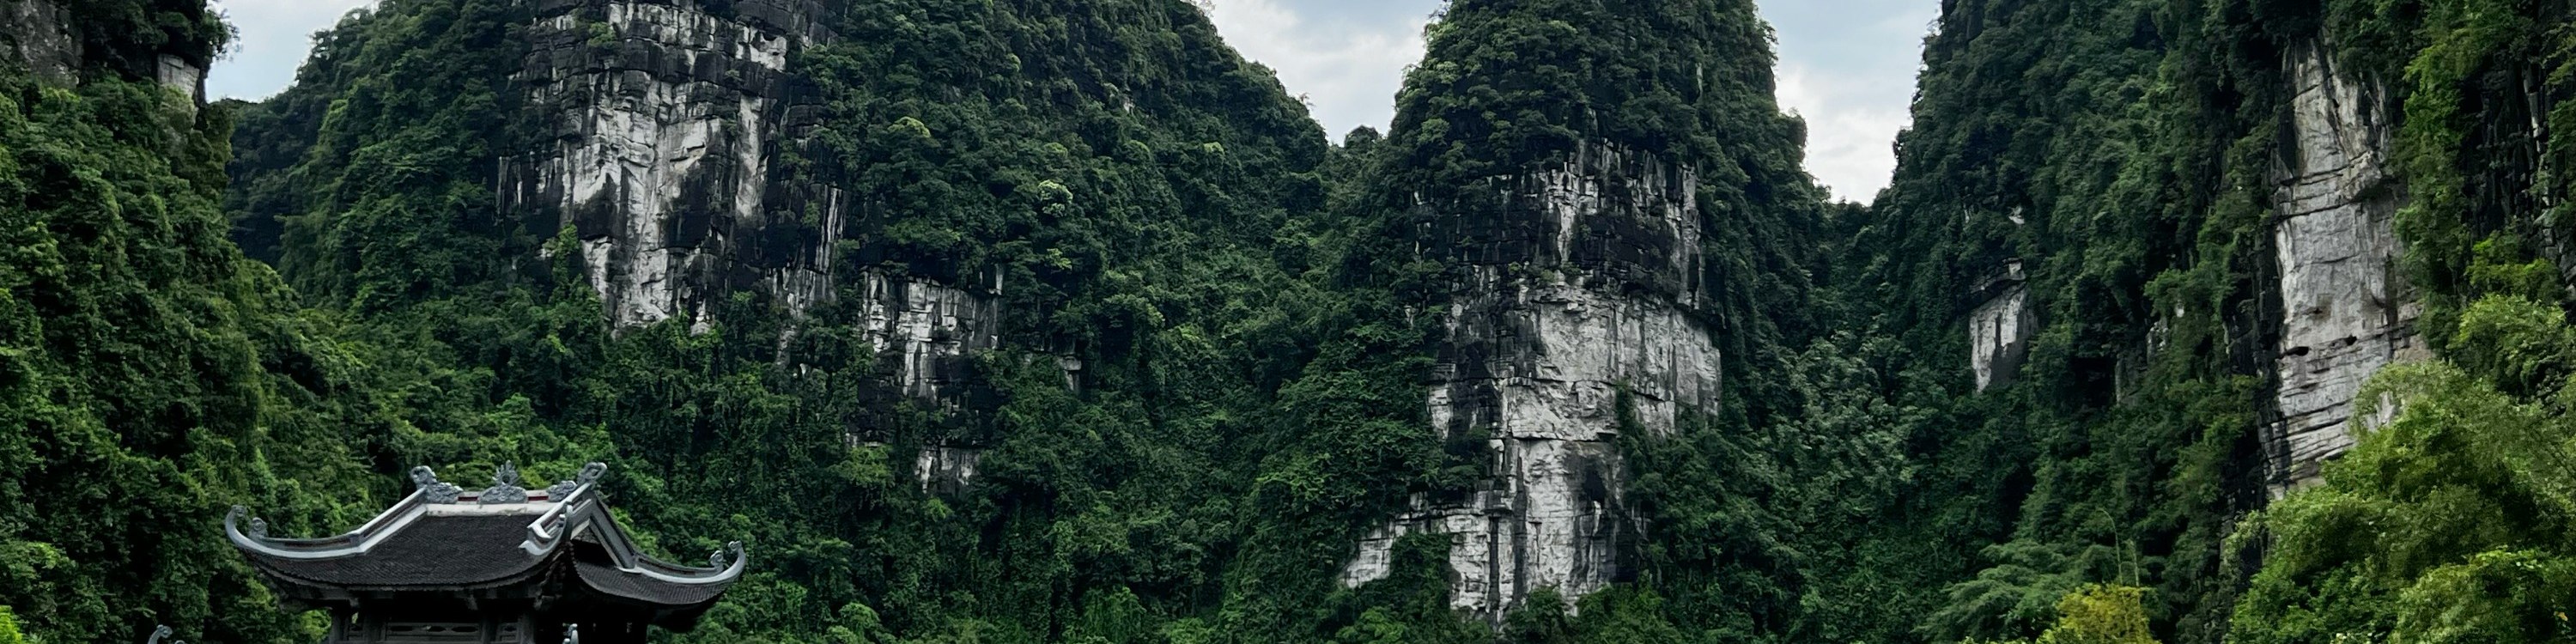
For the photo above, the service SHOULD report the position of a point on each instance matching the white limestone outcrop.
(665, 123)
(946, 470)
(1579, 289)
(40, 36)
(928, 330)
(662, 113)
(1999, 330)
(2347, 312)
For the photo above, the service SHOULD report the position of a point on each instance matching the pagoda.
(506, 565)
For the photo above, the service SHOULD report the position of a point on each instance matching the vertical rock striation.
(41, 38)
(2346, 310)
(1576, 318)
(946, 471)
(926, 329)
(661, 124)
(1999, 329)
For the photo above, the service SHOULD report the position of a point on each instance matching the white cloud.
(1853, 82)
(1848, 66)
(275, 36)
(1349, 71)
(1852, 123)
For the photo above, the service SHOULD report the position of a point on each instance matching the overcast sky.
(1847, 65)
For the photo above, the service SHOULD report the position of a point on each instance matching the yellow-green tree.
(2101, 614)
(9, 628)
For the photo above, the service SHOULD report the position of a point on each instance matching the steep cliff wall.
(41, 39)
(664, 120)
(2346, 310)
(1574, 321)
(664, 123)
(1999, 329)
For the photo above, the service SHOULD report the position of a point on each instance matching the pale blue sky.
(1847, 65)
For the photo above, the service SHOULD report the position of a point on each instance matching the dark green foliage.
(149, 376)
(2135, 138)
(2116, 152)
(1153, 205)
(1256, 312)
(1511, 87)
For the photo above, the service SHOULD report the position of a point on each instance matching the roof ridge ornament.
(505, 487)
(431, 489)
(725, 558)
(257, 529)
(590, 473)
(159, 633)
(719, 560)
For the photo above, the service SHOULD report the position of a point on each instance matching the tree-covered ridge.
(152, 374)
(2115, 154)
(1217, 327)
(2128, 156)
(1149, 204)
(1508, 88)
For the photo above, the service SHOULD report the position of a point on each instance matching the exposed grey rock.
(185, 77)
(665, 120)
(928, 330)
(664, 124)
(1580, 286)
(947, 470)
(40, 37)
(1549, 360)
(2346, 310)
(1999, 330)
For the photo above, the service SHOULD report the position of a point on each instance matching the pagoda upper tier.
(504, 564)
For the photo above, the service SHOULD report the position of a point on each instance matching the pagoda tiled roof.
(559, 543)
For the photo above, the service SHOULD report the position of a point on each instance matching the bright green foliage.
(9, 628)
(1152, 205)
(2116, 153)
(149, 376)
(2121, 152)
(2446, 524)
(2100, 614)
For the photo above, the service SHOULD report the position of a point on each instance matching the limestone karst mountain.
(1055, 320)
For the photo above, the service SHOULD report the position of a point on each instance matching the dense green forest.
(1185, 337)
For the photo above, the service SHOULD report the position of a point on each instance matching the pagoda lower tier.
(505, 565)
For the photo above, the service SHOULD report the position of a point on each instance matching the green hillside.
(1050, 321)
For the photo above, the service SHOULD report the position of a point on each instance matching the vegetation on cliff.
(283, 304)
(150, 376)
(2127, 155)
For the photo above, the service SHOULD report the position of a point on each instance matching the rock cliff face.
(926, 329)
(2346, 311)
(946, 471)
(1578, 294)
(42, 39)
(1999, 330)
(663, 121)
